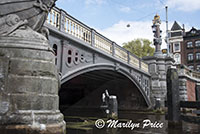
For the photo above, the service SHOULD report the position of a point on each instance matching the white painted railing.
(66, 23)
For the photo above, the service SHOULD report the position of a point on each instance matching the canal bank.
(87, 124)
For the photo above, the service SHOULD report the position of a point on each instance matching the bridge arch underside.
(84, 91)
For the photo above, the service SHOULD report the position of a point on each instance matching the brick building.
(191, 49)
(184, 47)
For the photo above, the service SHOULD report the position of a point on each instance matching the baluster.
(87, 36)
(83, 34)
(71, 26)
(79, 32)
(68, 25)
(99, 41)
(76, 30)
(58, 20)
(65, 24)
(95, 40)
(54, 18)
(90, 37)
(102, 42)
(51, 17)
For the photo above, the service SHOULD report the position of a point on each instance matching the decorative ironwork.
(79, 30)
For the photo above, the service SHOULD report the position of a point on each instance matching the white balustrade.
(82, 32)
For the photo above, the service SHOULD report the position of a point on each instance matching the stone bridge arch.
(126, 75)
(78, 55)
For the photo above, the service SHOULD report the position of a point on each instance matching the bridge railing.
(66, 23)
(184, 70)
(54, 18)
(102, 43)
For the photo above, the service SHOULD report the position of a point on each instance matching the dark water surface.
(86, 124)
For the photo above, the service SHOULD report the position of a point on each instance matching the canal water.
(129, 122)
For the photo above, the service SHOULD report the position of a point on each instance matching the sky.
(111, 17)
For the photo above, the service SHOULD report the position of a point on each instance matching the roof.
(193, 32)
(176, 26)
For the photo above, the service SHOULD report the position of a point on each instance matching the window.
(177, 58)
(55, 49)
(190, 57)
(176, 47)
(198, 68)
(197, 43)
(197, 56)
(189, 45)
(193, 32)
(191, 67)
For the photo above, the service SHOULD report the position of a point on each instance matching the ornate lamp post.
(157, 37)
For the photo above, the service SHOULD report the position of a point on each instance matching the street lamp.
(154, 28)
(157, 41)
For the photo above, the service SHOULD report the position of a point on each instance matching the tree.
(140, 47)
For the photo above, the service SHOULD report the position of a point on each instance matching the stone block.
(32, 84)
(50, 102)
(32, 68)
(161, 67)
(152, 68)
(27, 54)
(4, 62)
(21, 101)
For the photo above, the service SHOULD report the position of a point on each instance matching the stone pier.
(28, 85)
(158, 65)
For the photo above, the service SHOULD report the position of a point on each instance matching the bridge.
(90, 63)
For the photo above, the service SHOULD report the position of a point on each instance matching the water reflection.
(85, 125)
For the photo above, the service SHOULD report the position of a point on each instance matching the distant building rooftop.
(193, 32)
(176, 27)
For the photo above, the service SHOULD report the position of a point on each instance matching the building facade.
(176, 42)
(191, 49)
(184, 47)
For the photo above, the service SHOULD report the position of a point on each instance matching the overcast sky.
(110, 17)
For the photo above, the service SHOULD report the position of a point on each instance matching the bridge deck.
(65, 23)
